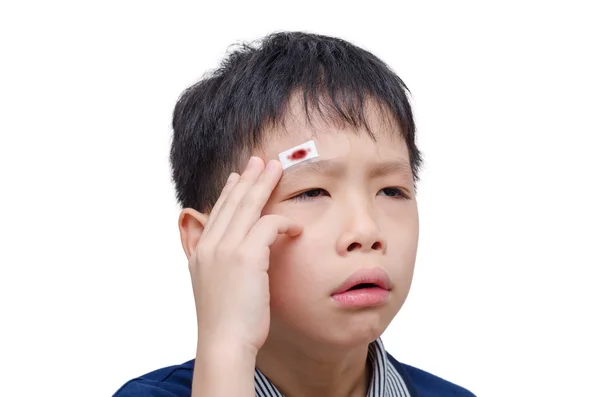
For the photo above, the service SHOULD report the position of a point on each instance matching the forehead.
(333, 137)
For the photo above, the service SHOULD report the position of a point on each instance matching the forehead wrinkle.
(330, 168)
(333, 168)
(391, 167)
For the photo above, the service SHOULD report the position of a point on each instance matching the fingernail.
(252, 162)
(231, 177)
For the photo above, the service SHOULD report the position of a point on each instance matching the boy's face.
(354, 218)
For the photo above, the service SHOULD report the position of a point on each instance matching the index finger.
(251, 205)
(231, 181)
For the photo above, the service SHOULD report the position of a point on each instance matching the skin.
(279, 245)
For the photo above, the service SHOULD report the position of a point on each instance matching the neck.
(300, 372)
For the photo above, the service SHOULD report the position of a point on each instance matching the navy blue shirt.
(389, 378)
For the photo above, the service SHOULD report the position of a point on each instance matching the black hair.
(220, 119)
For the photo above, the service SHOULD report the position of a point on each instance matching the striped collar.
(385, 380)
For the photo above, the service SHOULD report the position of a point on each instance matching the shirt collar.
(385, 380)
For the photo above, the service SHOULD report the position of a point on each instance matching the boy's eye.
(394, 192)
(310, 195)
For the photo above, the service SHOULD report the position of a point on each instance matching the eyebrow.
(335, 169)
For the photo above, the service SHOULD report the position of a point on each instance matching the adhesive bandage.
(331, 146)
(298, 154)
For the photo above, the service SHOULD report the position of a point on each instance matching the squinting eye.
(310, 195)
(394, 192)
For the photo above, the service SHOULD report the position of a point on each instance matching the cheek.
(296, 275)
(296, 271)
(401, 228)
(399, 221)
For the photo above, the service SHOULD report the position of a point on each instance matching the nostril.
(377, 246)
(353, 246)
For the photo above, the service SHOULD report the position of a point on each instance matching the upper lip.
(375, 275)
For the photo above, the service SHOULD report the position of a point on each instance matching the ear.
(191, 226)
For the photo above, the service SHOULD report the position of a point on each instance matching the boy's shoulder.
(424, 384)
(173, 381)
(176, 381)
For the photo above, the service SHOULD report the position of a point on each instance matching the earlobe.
(191, 226)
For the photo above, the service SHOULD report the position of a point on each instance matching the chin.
(323, 325)
(361, 329)
(350, 330)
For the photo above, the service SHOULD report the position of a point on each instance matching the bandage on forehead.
(298, 154)
(323, 147)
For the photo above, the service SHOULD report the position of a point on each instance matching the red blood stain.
(298, 154)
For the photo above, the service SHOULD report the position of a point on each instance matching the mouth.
(363, 286)
(365, 279)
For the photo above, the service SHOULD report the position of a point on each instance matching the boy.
(296, 272)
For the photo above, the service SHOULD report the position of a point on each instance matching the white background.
(94, 285)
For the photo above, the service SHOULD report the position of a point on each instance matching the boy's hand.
(230, 263)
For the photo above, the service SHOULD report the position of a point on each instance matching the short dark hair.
(220, 119)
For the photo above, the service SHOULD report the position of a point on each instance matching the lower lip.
(363, 297)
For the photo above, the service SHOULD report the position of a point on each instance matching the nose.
(360, 233)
